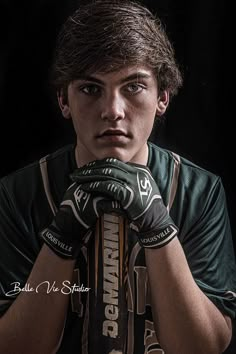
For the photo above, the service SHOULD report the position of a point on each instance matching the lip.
(113, 132)
(113, 136)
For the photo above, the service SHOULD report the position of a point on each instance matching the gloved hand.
(71, 226)
(133, 186)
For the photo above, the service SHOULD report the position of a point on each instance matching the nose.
(113, 107)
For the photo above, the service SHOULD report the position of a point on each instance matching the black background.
(199, 122)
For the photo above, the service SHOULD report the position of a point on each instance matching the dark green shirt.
(195, 197)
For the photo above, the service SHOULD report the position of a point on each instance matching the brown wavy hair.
(105, 35)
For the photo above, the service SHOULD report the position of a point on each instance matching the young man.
(114, 74)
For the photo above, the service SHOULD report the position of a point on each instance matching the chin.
(121, 154)
(125, 155)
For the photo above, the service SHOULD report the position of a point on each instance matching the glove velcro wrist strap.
(159, 238)
(58, 244)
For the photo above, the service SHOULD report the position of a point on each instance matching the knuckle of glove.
(108, 168)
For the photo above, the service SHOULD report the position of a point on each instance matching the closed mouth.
(113, 132)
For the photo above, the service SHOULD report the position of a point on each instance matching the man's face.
(113, 113)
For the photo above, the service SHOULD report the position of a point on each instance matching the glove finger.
(110, 189)
(107, 163)
(116, 170)
(92, 176)
(104, 172)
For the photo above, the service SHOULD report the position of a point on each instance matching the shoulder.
(31, 172)
(183, 184)
(165, 162)
(24, 187)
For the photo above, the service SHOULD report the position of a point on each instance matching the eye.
(134, 88)
(90, 89)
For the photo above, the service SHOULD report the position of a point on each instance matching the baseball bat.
(107, 329)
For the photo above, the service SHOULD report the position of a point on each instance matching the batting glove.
(133, 186)
(72, 225)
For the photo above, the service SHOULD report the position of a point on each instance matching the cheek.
(80, 116)
(145, 116)
(142, 128)
(147, 128)
(147, 104)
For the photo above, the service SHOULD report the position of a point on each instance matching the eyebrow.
(138, 75)
(135, 76)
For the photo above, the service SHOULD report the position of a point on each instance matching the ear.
(162, 103)
(63, 104)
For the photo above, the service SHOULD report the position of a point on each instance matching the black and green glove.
(72, 225)
(133, 186)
